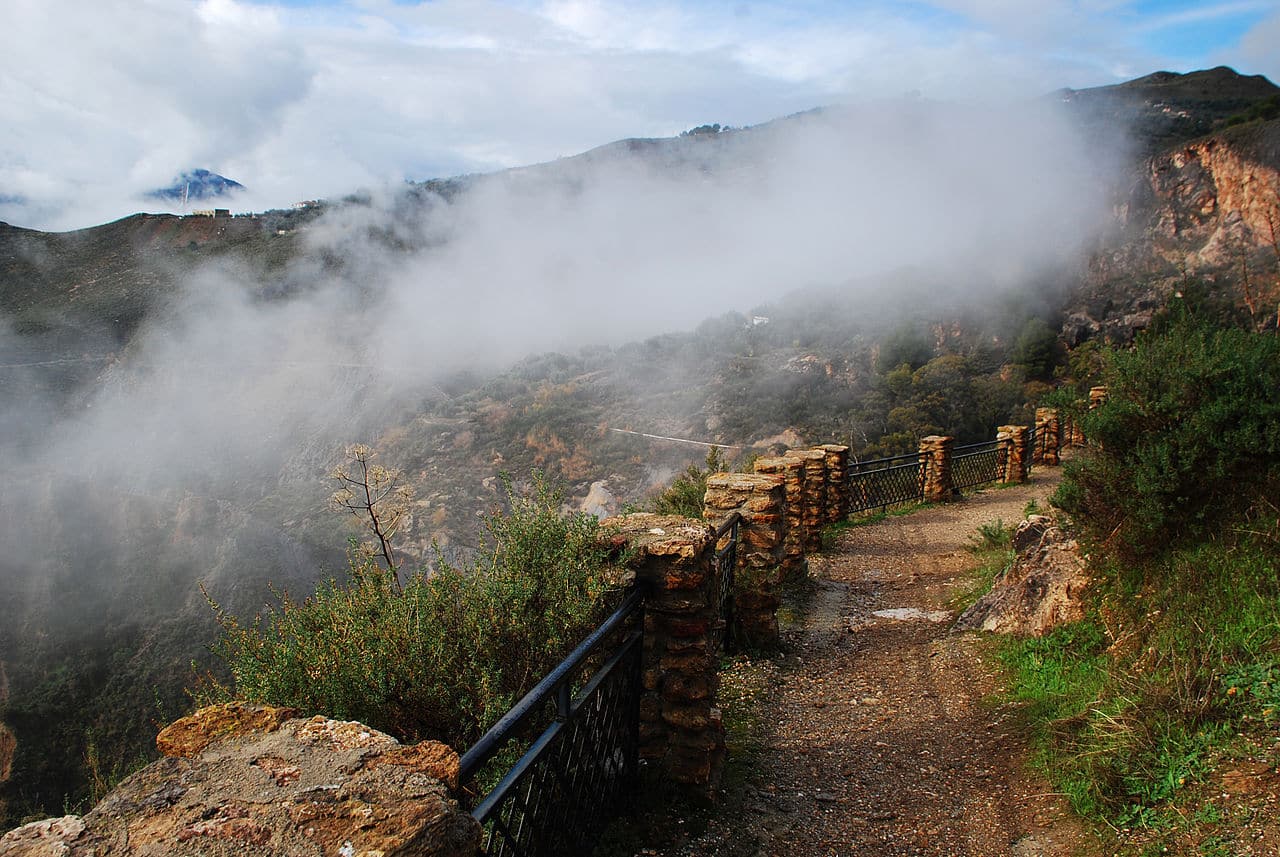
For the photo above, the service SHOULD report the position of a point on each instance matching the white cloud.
(101, 101)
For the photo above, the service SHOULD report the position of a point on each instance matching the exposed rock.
(599, 501)
(1042, 589)
(241, 779)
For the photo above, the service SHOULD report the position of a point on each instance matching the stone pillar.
(680, 724)
(761, 500)
(791, 469)
(815, 495)
(1014, 441)
(935, 467)
(1097, 395)
(837, 481)
(1076, 435)
(1048, 436)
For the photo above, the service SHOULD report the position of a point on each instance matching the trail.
(879, 733)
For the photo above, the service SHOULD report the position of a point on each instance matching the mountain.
(100, 328)
(196, 186)
(1166, 108)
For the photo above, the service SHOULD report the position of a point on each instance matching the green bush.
(1189, 438)
(685, 493)
(448, 654)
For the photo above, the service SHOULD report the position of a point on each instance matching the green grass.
(1132, 709)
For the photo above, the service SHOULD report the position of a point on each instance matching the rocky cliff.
(1205, 211)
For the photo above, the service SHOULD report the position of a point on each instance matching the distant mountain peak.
(196, 185)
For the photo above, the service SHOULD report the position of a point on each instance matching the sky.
(297, 100)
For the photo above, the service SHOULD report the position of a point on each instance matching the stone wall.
(792, 471)
(813, 510)
(1014, 453)
(680, 723)
(760, 498)
(1048, 437)
(935, 468)
(837, 460)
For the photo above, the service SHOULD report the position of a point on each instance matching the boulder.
(1041, 589)
(245, 779)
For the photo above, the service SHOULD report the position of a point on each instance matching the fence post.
(935, 468)
(680, 724)
(1014, 442)
(815, 495)
(791, 469)
(837, 456)
(1048, 435)
(761, 500)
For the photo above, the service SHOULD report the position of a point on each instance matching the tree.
(370, 492)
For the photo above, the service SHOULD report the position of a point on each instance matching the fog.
(594, 250)
(198, 450)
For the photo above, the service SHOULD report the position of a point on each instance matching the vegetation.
(684, 495)
(446, 654)
(1189, 439)
(1175, 668)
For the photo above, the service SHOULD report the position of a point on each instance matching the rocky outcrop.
(243, 779)
(1041, 589)
(1208, 209)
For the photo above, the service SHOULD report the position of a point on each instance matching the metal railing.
(726, 562)
(975, 464)
(881, 482)
(558, 796)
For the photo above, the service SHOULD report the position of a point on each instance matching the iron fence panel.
(560, 795)
(975, 464)
(885, 482)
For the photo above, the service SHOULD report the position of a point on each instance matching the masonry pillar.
(680, 723)
(1048, 436)
(1014, 441)
(935, 467)
(815, 495)
(791, 469)
(837, 481)
(1097, 396)
(1075, 434)
(761, 500)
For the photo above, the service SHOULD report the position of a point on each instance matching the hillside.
(182, 386)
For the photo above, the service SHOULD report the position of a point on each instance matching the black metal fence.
(564, 789)
(975, 464)
(726, 561)
(881, 482)
(558, 797)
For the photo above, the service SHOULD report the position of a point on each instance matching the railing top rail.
(903, 466)
(489, 743)
(982, 444)
(914, 456)
(729, 523)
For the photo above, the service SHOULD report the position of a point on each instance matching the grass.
(1135, 711)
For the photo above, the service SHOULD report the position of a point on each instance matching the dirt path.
(878, 732)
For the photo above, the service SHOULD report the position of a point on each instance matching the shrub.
(446, 655)
(685, 493)
(1189, 437)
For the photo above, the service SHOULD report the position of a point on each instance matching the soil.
(878, 732)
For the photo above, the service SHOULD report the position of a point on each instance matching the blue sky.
(299, 99)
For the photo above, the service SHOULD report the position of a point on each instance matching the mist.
(197, 451)
(613, 246)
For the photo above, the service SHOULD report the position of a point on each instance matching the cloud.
(103, 102)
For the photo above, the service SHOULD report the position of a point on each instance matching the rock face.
(241, 779)
(1042, 589)
(1207, 208)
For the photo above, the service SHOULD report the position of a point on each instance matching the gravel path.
(877, 731)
